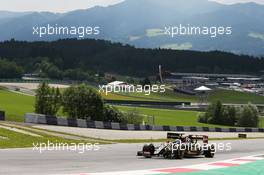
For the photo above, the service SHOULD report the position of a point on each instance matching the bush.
(83, 102)
(132, 117)
(249, 116)
(230, 115)
(112, 114)
(217, 113)
(246, 116)
(202, 118)
(48, 100)
(214, 114)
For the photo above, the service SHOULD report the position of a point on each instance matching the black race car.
(182, 146)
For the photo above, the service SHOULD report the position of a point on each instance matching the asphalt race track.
(114, 157)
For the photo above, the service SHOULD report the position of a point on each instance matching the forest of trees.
(9, 69)
(82, 59)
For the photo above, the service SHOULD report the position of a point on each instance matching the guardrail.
(50, 120)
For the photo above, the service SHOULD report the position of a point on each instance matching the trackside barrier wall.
(49, 120)
(2, 115)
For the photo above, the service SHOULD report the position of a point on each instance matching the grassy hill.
(15, 105)
(174, 117)
(226, 96)
(169, 95)
(169, 117)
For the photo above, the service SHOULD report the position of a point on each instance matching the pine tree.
(42, 96)
(48, 100)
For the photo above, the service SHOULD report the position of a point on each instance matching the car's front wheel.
(209, 154)
(180, 154)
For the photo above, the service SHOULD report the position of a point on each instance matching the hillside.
(81, 59)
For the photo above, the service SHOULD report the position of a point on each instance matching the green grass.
(15, 105)
(114, 96)
(170, 117)
(19, 140)
(262, 122)
(169, 95)
(174, 117)
(227, 96)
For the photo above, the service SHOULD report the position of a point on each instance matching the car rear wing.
(200, 137)
(173, 135)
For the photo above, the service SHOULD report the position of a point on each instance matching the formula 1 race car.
(182, 146)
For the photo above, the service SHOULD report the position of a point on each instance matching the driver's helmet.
(188, 139)
(177, 141)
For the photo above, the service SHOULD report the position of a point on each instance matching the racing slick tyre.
(148, 150)
(180, 154)
(209, 153)
(167, 155)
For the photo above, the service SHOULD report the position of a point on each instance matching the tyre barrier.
(50, 120)
(2, 115)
